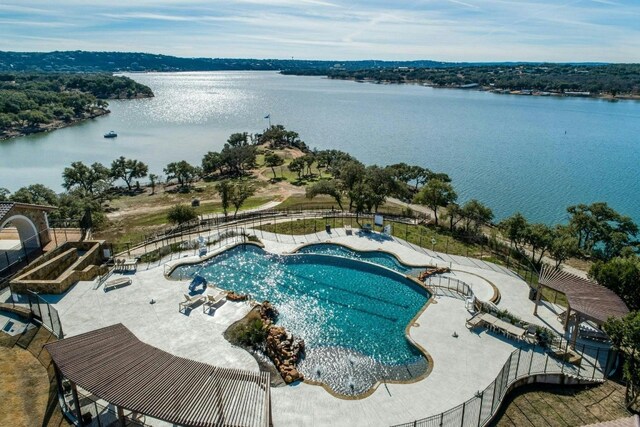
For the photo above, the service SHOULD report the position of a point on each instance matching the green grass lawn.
(133, 229)
(553, 405)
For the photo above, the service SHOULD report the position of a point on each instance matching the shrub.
(181, 213)
(252, 333)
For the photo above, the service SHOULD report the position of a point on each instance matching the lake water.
(536, 155)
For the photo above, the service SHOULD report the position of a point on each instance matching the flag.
(268, 116)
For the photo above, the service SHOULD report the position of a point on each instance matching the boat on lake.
(110, 134)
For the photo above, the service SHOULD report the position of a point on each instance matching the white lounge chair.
(189, 302)
(212, 300)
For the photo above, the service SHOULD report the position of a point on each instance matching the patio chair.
(189, 302)
(212, 300)
(348, 230)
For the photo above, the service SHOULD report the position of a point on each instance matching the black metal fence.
(522, 363)
(407, 229)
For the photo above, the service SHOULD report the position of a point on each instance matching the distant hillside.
(595, 80)
(81, 61)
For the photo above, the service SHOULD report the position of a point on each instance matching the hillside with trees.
(615, 80)
(36, 102)
(82, 61)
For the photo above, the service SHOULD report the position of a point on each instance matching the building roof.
(5, 207)
(584, 296)
(114, 365)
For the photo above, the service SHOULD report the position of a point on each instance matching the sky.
(443, 30)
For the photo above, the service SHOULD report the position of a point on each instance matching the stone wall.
(57, 274)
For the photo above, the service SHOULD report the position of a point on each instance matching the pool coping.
(495, 298)
(297, 248)
(407, 331)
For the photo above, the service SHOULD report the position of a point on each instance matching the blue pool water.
(352, 315)
(376, 257)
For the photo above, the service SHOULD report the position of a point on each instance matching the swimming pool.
(352, 315)
(376, 257)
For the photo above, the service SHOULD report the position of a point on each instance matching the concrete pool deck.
(461, 366)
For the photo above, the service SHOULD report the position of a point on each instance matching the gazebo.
(116, 367)
(586, 300)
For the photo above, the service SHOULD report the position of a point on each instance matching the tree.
(182, 171)
(297, 165)
(434, 194)
(272, 160)
(563, 246)
(4, 194)
(475, 215)
(308, 161)
(238, 156)
(179, 214)
(515, 227)
(381, 185)
(36, 194)
(362, 198)
(240, 193)
(454, 213)
(601, 231)
(625, 336)
(153, 178)
(350, 173)
(622, 276)
(224, 188)
(328, 187)
(128, 170)
(538, 237)
(93, 180)
(212, 162)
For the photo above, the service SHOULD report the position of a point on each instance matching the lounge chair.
(189, 302)
(212, 300)
(116, 283)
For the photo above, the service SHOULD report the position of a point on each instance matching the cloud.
(452, 30)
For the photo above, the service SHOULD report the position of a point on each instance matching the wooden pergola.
(586, 299)
(113, 365)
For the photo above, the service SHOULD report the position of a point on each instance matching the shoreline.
(18, 132)
(49, 127)
(497, 91)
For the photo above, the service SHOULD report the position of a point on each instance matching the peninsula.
(36, 102)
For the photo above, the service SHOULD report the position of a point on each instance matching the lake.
(536, 155)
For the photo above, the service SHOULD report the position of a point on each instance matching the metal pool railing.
(452, 284)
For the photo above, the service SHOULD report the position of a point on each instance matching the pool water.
(376, 257)
(352, 315)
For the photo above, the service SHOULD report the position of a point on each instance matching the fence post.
(546, 360)
(480, 409)
(518, 363)
(464, 405)
(595, 363)
(533, 353)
